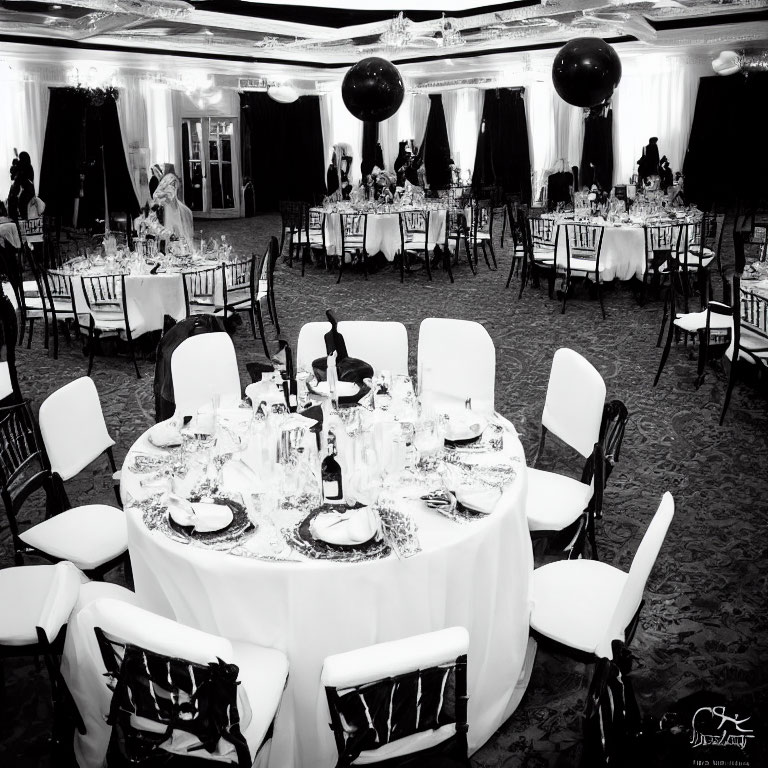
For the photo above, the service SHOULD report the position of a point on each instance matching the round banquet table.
(383, 232)
(474, 574)
(149, 298)
(622, 255)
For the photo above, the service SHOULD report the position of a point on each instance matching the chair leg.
(511, 272)
(523, 278)
(402, 265)
(600, 297)
(447, 263)
(92, 336)
(701, 363)
(260, 321)
(46, 329)
(731, 383)
(132, 350)
(469, 255)
(493, 254)
(341, 266)
(665, 353)
(303, 259)
(427, 264)
(273, 311)
(31, 331)
(664, 319)
(566, 288)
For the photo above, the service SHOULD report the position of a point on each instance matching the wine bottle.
(330, 473)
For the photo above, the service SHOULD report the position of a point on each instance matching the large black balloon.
(586, 71)
(373, 89)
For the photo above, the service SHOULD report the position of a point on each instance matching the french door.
(210, 150)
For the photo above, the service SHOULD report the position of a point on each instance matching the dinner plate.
(304, 533)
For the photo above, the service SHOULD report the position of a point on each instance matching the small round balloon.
(586, 71)
(373, 89)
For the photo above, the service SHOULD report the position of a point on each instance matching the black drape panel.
(503, 157)
(370, 141)
(436, 150)
(597, 151)
(76, 130)
(282, 149)
(727, 156)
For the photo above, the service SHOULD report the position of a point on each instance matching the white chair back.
(369, 672)
(456, 361)
(383, 344)
(73, 427)
(201, 367)
(376, 662)
(573, 408)
(128, 623)
(641, 568)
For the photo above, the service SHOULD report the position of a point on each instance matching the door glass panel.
(192, 147)
(220, 132)
(217, 200)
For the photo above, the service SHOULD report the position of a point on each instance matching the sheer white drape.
(556, 131)
(419, 114)
(339, 126)
(132, 114)
(389, 136)
(23, 118)
(161, 123)
(463, 114)
(656, 97)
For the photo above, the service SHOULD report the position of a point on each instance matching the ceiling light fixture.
(283, 94)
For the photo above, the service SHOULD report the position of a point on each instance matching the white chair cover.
(203, 366)
(73, 427)
(573, 408)
(456, 361)
(383, 344)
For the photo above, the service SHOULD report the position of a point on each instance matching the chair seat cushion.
(697, 321)
(749, 340)
(573, 601)
(30, 289)
(87, 536)
(695, 260)
(554, 501)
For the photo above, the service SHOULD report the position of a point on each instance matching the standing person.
(22, 186)
(648, 164)
(665, 173)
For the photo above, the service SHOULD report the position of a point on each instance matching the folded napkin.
(202, 516)
(478, 499)
(166, 434)
(353, 526)
(465, 425)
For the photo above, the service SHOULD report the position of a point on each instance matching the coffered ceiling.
(329, 35)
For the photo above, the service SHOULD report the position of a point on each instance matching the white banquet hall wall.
(24, 97)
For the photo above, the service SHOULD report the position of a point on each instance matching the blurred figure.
(22, 189)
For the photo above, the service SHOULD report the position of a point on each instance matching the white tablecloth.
(383, 233)
(149, 299)
(622, 255)
(476, 575)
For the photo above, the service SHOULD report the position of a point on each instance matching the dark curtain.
(282, 149)
(370, 143)
(597, 151)
(79, 124)
(435, 148)
(503, 157)
(727, 158)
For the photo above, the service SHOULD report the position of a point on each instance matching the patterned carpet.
(705, 622)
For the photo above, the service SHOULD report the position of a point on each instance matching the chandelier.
(153, 9)
(398, 33)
